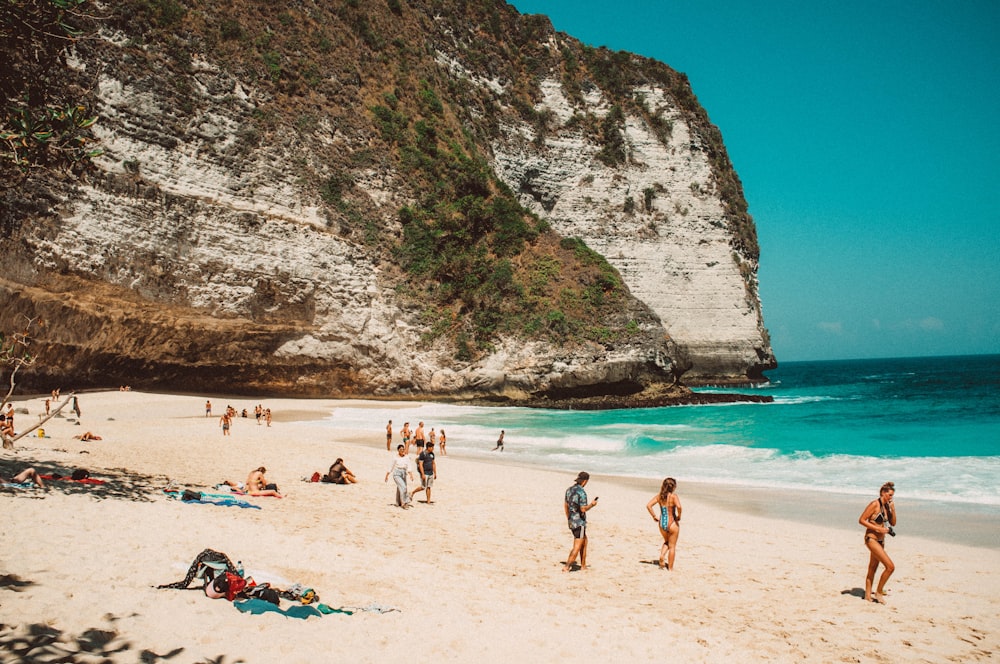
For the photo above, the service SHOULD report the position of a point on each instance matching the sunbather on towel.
(257, 484)
(26, 475)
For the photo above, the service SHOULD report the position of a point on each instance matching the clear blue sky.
(867, 137)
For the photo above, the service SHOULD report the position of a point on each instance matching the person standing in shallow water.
(499, 442)
(878, 519)
(669, 520)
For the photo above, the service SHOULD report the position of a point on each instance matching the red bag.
(315, 477)
(236, 585)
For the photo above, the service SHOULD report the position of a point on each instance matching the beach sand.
(476, 576)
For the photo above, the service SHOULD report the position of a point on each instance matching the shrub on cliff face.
(44, 124)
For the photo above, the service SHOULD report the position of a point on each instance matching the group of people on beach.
(576, 507)
(261, 414)
(425, 462)
(417, 438)
(878, 518)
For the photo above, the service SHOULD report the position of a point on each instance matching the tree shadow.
(119, 483)
(39, 642)
(14, 582)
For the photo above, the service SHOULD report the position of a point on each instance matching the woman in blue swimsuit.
(669, 519)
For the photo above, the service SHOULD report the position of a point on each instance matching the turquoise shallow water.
(931, 425)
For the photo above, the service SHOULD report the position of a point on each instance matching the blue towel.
(225, 501)
(257, 606)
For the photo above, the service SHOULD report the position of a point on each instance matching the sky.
(867, 138)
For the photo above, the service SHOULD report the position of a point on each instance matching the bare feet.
(879, 598)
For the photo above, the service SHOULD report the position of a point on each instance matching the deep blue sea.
(931, 425)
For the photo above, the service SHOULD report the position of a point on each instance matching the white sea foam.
(636, 448)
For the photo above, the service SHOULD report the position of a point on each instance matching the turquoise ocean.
(931, 425)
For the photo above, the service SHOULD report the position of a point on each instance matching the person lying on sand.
(257, 484)
(26, 475)
(88, 436)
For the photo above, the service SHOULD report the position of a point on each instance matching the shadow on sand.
(39, 642)
(119, 483)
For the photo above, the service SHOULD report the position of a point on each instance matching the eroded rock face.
(196, 259)
(657, 218)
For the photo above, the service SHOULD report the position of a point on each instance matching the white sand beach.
(476, 576)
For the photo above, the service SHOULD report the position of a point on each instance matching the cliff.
(322, 200)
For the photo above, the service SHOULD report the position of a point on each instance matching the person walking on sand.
(267, 416)
(878, 519)
(388, 436)
(400, 469)
(208, 408)
(444, 441)
(428, 472)
(225, 422)
(669, 519)
(76, 407)
(499, 442)
(576, 507)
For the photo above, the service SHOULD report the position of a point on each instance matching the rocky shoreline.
(650, 398)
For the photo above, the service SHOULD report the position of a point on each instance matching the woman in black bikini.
(877, 519)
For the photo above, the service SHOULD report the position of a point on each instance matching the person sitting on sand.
(669, 520)
(86, 435)
(339, 474)
(257, 484)
(877, 519)
(26, 475)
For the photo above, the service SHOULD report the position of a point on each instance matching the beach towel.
(212, 499)
(17, 485)
(61, 478)
(259, 606)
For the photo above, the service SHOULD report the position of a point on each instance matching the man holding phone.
(576, 508)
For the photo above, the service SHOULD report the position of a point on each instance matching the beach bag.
(265, 592)
(191, 495)
(315, 477)
(235, 584)
(80, 474)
